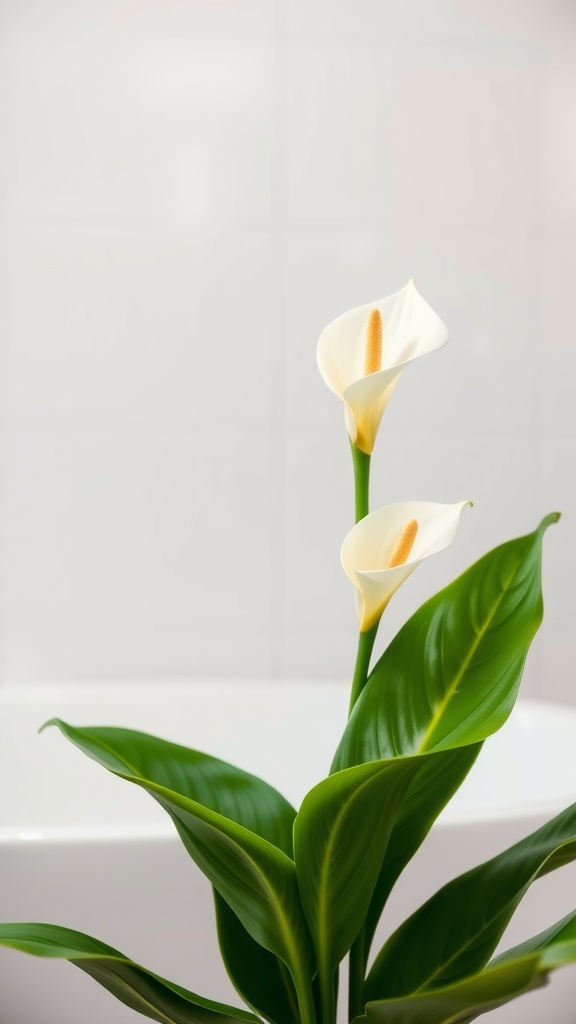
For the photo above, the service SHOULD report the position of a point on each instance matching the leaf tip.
(51, 721)
(552, 517)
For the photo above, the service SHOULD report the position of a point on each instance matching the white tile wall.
(114, 324)
(189, 192)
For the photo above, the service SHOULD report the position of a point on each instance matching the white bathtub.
(81, 848)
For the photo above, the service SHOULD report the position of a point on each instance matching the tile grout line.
(4, 370)
(278, 362)
(542, 66)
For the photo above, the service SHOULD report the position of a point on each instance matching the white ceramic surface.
(80, 848)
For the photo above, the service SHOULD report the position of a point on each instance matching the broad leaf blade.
(254, 877)
(141, 990)
(234, 793)
(439, 777)
(439, 943)
(448, 679)
(511, 975)
(222, 787)
(340, 838)
(451, 675)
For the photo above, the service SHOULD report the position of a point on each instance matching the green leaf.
(438, 778)
(238, 795)
(459, 1003)
(559, 933)
(455, 932)
(340, 837)
(451, 675)
(448, 679)
(141, 990)
(255, 878)
(514, 973)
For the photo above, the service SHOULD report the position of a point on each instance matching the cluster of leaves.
(296, 892)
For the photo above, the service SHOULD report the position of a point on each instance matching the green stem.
(357, 959)
(291, 994)
(328, 997)
(361, 481)
(357, 969)
(305, 1001)
(365, 645)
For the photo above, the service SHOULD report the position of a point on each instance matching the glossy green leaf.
(340, 838)
(462, 1002)
(438, 778)
(448, 679)
(256, 879)
(455, 932)
(253, 876)
(459, 1003)
(508, 976)
(141, 990)
(559, 933)
(238, 795)
(451, 675)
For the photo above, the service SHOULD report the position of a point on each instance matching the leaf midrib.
(422, 988)
(286, 932)
(323, 886)
(323, 882)
(451, 690)
(124, 985)
(291, 946)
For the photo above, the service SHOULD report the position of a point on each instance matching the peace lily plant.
(296, 892)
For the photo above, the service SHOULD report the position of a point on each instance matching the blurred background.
(190, 192)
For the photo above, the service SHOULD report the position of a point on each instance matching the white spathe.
(410, 328)
(367, 550)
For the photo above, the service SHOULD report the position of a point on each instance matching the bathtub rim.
(27, 696)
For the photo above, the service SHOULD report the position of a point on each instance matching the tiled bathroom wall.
(189, 192)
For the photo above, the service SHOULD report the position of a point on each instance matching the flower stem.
(328, 996)
(365, 645)
(307, 1009)
(357, 961)
(305, 1001)
(361, 481)
(357, 970)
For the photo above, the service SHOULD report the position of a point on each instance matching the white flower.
(362, 353)
(383, 549)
